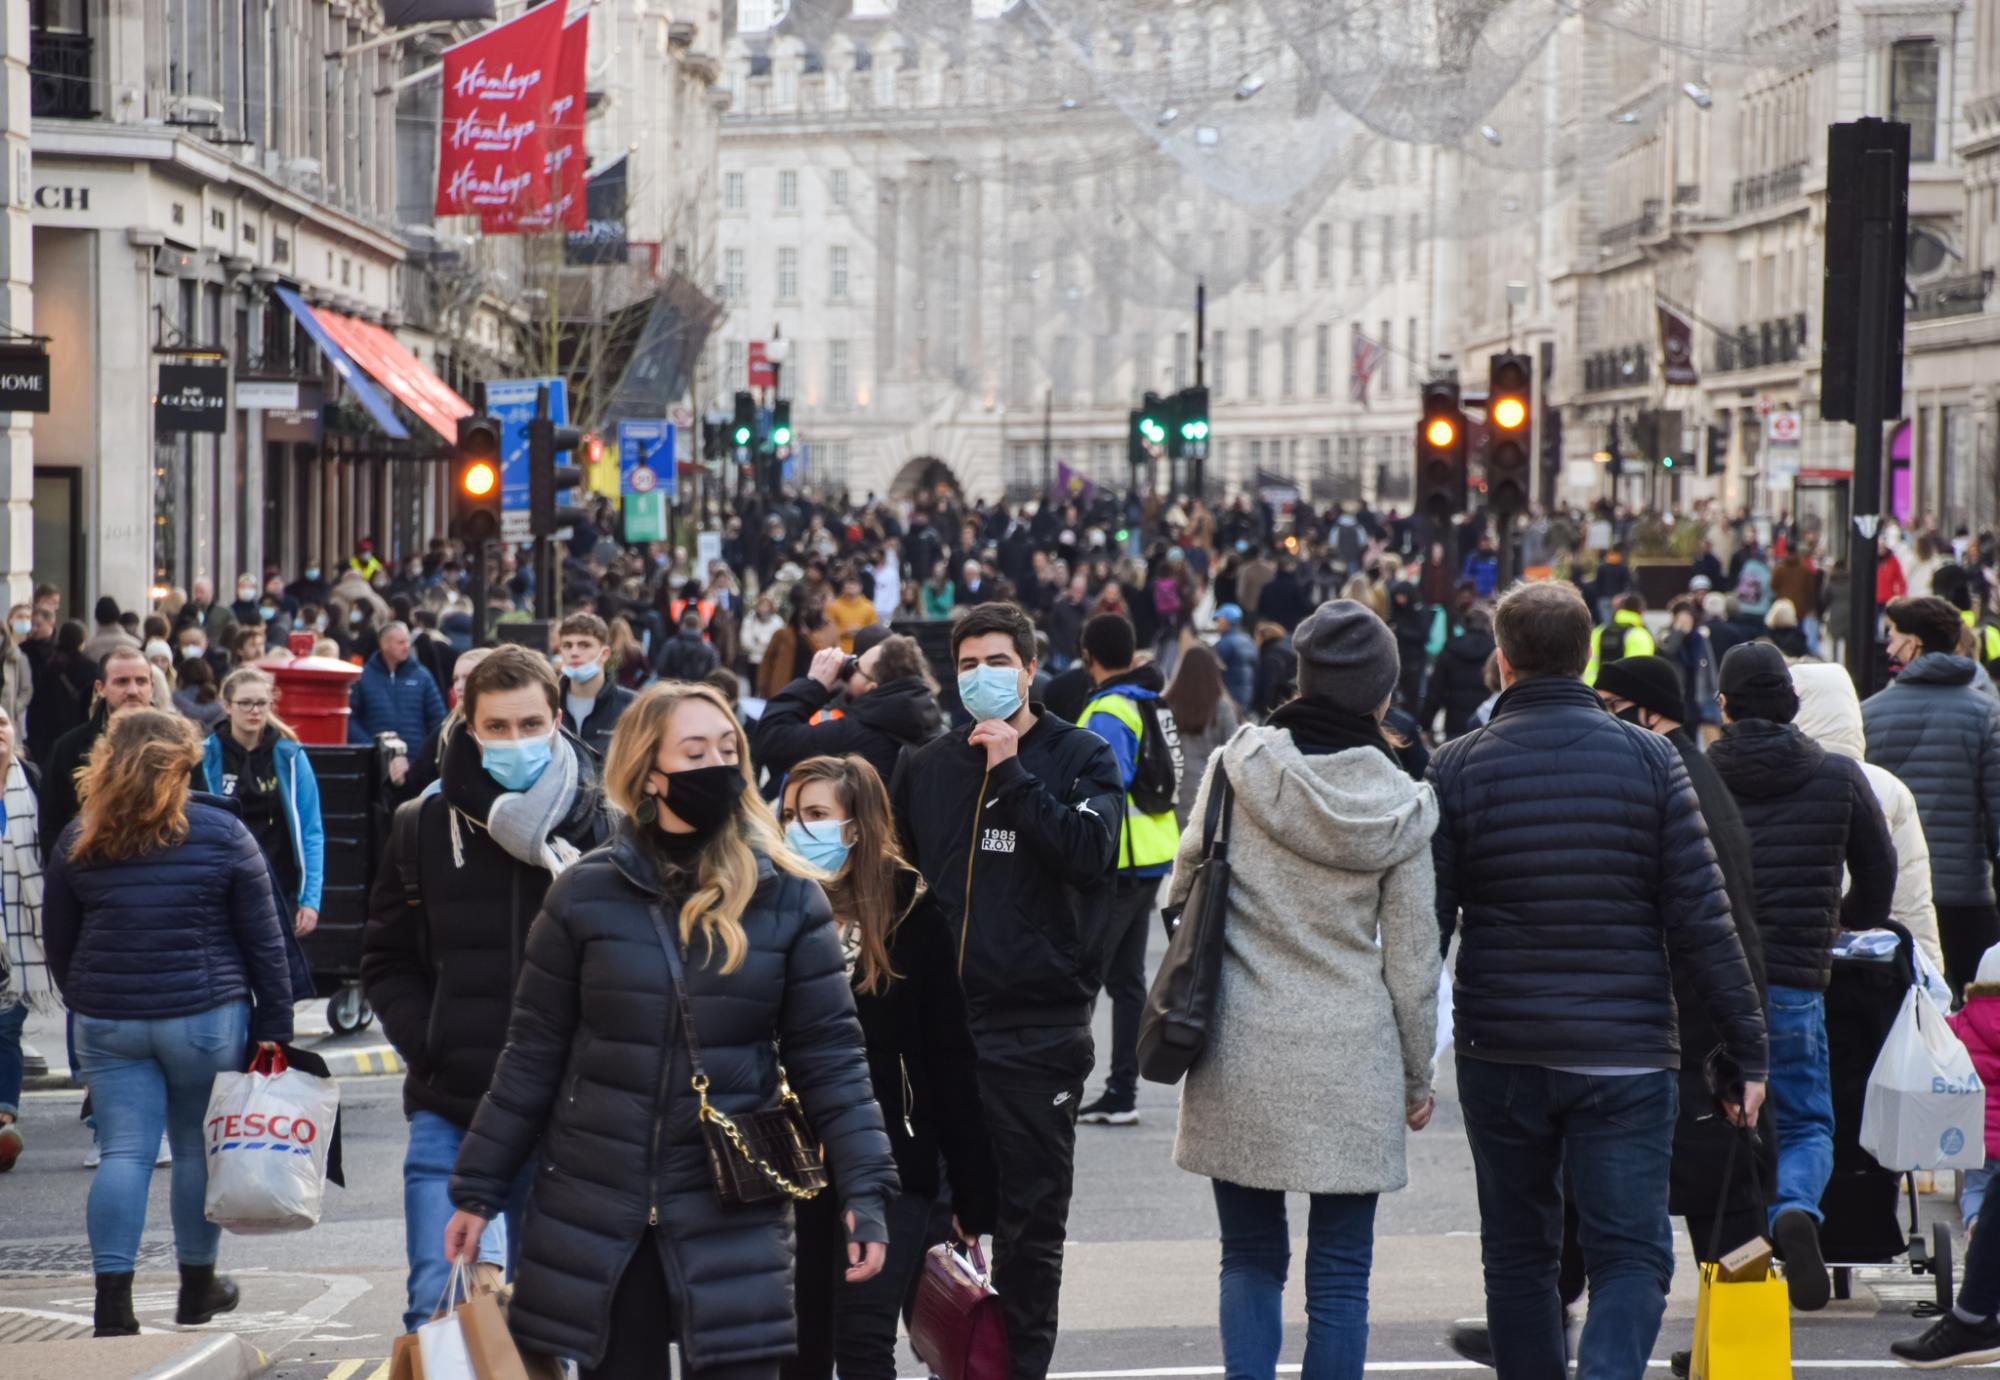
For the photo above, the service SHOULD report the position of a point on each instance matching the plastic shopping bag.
(268, 1131)
(1742, 1331)
(1925, 1107)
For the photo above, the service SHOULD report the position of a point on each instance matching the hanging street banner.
(24, 377)
(602, 239)
(512, 402)
(192, 398)
(1676, 347)
(493, 128)
(562, 150)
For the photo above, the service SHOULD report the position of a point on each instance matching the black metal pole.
(481, 552)
(1879, 278)
(1198, 471)
(1048, 442)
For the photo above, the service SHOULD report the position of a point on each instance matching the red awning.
(413, 383)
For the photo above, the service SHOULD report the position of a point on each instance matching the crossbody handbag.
(1180, 1008)
(753, 1157)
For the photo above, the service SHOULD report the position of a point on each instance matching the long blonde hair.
(726, 868)
(251, 675)
(132, 798)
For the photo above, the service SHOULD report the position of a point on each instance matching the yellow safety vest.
(1143, 840)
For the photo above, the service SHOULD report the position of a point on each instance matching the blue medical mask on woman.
(516, 764)
(990, 692)
(821, 843)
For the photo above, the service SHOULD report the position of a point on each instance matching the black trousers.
(643, 1327)
(852, 1324)
(1124, 978)
(1031, 1120)
(1964, 933)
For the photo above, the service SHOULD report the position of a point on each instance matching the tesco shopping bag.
(1925, 1107)
(268, 1131)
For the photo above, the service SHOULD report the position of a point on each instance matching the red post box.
(312, 691)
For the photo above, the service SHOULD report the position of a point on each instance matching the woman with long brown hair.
(1204, 715)
(695, 935)
(161, 926)
(921, 1060)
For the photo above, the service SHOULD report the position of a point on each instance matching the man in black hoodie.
(891, 707)
(1014, 826)
(465, 871)
(1809, 813)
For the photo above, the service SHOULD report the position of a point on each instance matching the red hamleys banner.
(563, 151)
(493, 134)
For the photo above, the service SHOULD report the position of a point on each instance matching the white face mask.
(189, 652)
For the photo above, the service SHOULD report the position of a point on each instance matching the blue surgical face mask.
(312, 572)
(266, 612)
(586, 672)
(518, 764)
(990, 692)
(820, 843)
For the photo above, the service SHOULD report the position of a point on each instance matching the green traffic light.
(1196, 430)
(782, 436)
(1667, 461)
(742, 435)
(1152, 430)
(1120, 536)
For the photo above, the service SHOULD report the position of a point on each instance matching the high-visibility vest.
(1143, 840)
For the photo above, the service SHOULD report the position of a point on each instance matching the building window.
(1021, 269)
(1357, 248)
(1288, 362)
(1144, 373)
(1323, 360)
(1387, 340)
(788, 275)
(1913, 91)
(1218, 363)
(839, 381)
(1288, 271)
(1062, 370)
(1017, 371)
(788, 191)
(1103, 370)
(1416, 243)
(1253, 363)
(1254, 268)
(1256, 460)
(1388, 248)
(829, 459)
(1323, 253)
(732, 191)
(836, 272)
(1410, 355)
(735, 366)
(836, 187)
(1103, 460)
(732, 274)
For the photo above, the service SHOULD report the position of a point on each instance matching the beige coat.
(1327, 1023)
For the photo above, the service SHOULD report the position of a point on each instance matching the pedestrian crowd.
(840, 830)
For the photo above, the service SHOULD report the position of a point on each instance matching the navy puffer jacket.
(173, 932)
(1809, 812)
(1938, 730)
(1572, 852)
(596, 1073)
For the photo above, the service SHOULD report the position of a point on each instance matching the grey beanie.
(1347, 656)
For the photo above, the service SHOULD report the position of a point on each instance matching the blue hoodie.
(301, 793)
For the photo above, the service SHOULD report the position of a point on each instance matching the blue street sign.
(650, 443)
(512, 402)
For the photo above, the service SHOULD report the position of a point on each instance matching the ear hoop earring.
(648, 811)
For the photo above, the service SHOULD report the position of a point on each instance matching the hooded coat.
(877, 726)
(1323, 1036)
(1939, 732)
(1458, 682)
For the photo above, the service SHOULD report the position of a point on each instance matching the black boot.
(114, 1307)
(203, 1295)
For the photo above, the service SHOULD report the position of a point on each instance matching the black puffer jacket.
(596, 1070)
(1809, 811)
(1938, 730)
(1572, 845)
(1458, 682)
(441, 975)
(877, 726)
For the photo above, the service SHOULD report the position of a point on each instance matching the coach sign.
(24, 378)
(192, 397)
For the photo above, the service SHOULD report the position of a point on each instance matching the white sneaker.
(166, 1153)
(94, 1156)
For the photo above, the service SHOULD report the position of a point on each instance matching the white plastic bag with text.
(268, 1133)
(1925, 1107)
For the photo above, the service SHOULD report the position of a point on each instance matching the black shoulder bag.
(1180, 1008)
(758, 1156)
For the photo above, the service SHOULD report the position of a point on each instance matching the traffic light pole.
(1879, 278)
(1198, 471)
(481, 553)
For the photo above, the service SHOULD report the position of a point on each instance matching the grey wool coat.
(1328, 1016)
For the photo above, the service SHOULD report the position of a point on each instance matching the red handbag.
(956, 1327)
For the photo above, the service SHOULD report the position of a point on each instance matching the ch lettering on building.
(56, 197)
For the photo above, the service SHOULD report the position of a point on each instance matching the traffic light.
(546, 478)
(745, 425)
(1717, 459)
(714, 440)
(1508, 387)
(475, 481)
(1187, 437)
(781, 424)
(1149, 429)
(1441, 453)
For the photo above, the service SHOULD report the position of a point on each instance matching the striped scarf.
(27, 975)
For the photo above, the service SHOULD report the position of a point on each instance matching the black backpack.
(1611, 644)
(1156, 779)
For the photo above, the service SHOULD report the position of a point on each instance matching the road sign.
(648, 445)
(681, 415)
(1782, 428)
(760, 373)
(643, 479)
(645, 516)
(513, 402)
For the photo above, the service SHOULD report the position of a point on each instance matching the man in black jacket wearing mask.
(1014, 826)
(464, 874)
(1810, 814)
(891, 706)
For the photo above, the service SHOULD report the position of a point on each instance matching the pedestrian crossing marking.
(352, 1370)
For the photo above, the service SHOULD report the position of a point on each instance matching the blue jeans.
(12, 1020)
(1256, 1256)
(1801, 1097)
(145, 1077)
(427, 1208)
(1972, 1195)
(1612, 1139)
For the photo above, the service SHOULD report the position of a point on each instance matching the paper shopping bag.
(441, 1341)
(406, 1360)
(1742, 1331)
(491, 1345)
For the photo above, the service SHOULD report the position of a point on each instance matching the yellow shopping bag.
(1742, 1331)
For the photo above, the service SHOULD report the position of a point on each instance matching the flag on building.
(1368, 358)
(563, 208)
(1676, 347)
(493, 128)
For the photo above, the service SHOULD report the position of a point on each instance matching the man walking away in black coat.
(465, 871)
(1809, 812)
(892, 706)
(1580, 894)
(687, 655)
(592, 701)
(1015, 827)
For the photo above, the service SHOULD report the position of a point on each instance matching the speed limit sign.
(643, 479)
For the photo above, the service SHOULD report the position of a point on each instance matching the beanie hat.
(1347, 656)
(1755, 668)
(1989, 966)
(1651, 682)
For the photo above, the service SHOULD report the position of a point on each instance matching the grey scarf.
(524, 822)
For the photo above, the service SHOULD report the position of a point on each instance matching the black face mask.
(706, 798)
(1630, 714)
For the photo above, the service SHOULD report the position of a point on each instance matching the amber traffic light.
(479, 479)
(475, 480)
(1440, 432)
(1509, 414)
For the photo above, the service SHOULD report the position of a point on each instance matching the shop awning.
(414, 384)
(350, 372)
